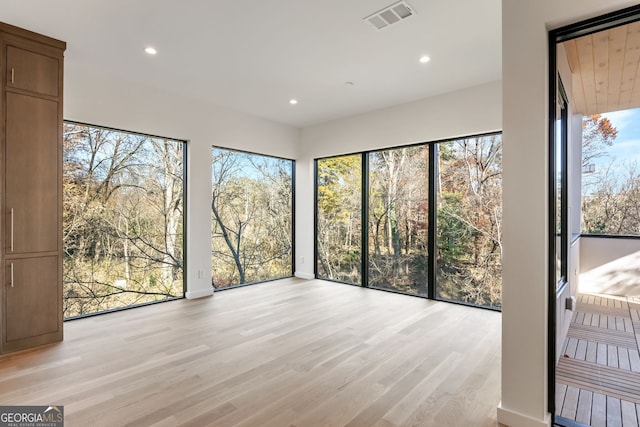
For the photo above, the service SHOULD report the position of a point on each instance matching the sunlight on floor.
(618, 277)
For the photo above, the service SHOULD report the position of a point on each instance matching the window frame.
(185, 145)
(293, 216)
(432, 215)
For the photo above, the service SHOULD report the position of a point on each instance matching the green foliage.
(454, 235)
(469, 219)
(339, 218)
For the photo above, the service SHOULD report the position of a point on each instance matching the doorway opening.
(594, 214)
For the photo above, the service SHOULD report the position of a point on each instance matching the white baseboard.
(515, 419)
(307, 276)
(200, 293)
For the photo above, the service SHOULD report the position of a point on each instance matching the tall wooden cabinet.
(30, 188)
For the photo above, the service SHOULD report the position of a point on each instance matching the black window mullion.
(293, 218)
(364, 247)
(315, 219)
(565, 185)
(433, 205)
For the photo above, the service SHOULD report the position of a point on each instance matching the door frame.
(559, 35)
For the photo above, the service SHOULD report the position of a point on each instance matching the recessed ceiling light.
(424, 59)
(150, 50)
(293, 101)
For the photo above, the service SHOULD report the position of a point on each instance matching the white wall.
(598, 251)
(611, 265)
(470, 111)
(96, 98)
(525, 199)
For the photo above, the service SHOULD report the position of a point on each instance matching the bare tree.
(122, 219)
(251, 207)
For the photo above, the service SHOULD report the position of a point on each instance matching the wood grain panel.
(605, 69)
(601, 67)
(32, 302)
(617, 46)
(32, 71)
(31, 168)
(587, 72)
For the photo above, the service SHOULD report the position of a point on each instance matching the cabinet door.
(32, 305)
(31, 167)
(32, 71)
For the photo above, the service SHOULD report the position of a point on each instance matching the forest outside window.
(123, 222)
(399, 219)
(469, 220)
(251, 218)
(431, 214)
(339, 218)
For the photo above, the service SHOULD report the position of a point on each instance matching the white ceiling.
(254, 55)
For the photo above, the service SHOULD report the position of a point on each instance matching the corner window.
(430, 214)
(251, 218)
(123, 220)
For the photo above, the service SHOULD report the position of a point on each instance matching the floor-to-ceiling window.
(123, 219)
(251, 217)
(339, 218)
(469, 216)
(399, 219)
(442, 198)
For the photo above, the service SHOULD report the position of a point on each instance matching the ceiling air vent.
(390, 15)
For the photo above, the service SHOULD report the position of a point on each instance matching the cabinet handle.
(12, 275)
(11, 229)
(13, 75)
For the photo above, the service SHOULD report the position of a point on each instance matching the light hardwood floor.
(286, 353)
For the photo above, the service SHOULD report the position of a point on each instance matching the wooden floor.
(289, 353)
(598, 376)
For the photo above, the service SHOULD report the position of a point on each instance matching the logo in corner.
(31, 416)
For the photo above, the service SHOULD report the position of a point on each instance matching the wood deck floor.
(598, 376)
(286, 353)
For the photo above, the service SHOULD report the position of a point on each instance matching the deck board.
(629, 415)
(600, 379)
(570, 406)
(599, 410)
(603, 335)
(623, 359)
(634, 361)
(583, 415)
(614, 415)
(561, 391)
(592, 348)
(598, 375)
(581, 350)
(602, 309)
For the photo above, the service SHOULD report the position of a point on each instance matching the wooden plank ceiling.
(605, 70)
